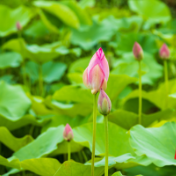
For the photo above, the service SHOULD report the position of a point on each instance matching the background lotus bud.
(96, 75)
(164, 52)
(18, 26)
(68, 133)
(104, 103)
(137, 51)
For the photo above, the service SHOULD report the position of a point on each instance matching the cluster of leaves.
(42, 90)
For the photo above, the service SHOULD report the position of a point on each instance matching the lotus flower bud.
(164, 52)
(137, 51)
(18, 26)
(104, 103)
(68, 133)
(96, 75)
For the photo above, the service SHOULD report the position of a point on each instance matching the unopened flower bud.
(18, 26)
(68, 133)
(96, 75)
(164, 52)
(104, 103)
(137, 51)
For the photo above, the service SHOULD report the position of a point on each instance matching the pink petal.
(137, 51)
(68, 133)
(96, 79)
(104, 108)
(164, 52)
(100, 59)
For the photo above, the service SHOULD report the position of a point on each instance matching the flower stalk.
(104, 107)
(68, 136)
(106, 144)
(166, 81)
(138, 54)
(140, 93)
(165, 54)
(19, 28)
(69, 150)
(94, 133)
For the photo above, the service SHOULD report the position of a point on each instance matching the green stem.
(166, 81)
(69, 151)
(106, 144)
(22, 53)
(31, 130)
(84, 156)
(140, 93)
(94, 133)
(40, 80)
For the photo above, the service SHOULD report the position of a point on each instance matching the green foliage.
(21, 14)
(41, 84)
(160, 150)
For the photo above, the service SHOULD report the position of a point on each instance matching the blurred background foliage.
(41, 82)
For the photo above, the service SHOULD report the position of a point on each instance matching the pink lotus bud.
(18, 26)
(137, 51)
(164, 52)
(68, 133)
(96, 75)
(104, 103)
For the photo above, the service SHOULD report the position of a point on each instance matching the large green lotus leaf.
(36, 53)
(86, 39)
(11, 141)
(118, 139)
(10, 17)
(113, 160)
(37, 29)
(125, 119)
(116, 83)
(151, 170)
(14, 4)
(13, 101)
(159, 94)
(85, 3)
(73, 93)
(161, 115)
(117, 174)
(41, 166)
(136, 161)
(125, 41)
(79, 65)
(71, 168)
(62, 148)
(158, 144)
(10, 163)
(39, 108)
(10, 59)
(149, 13)
(46, 21)
(61, 11)
(63, 119)
(128, 119)
(12, 171)
(128, 65)
(38, 115)
(8, 79)
(71, 109)
(23, 121)
(75, 78)
(80, 13)
(51, 71)
(43, 145)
